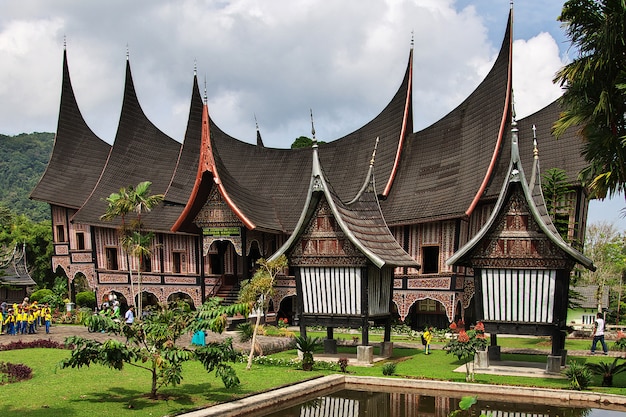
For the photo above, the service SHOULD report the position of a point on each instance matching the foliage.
(594, 89)
(307, 345)
(556, 189)
(14, 372)
(257, 292)
(86, 299)
(464, 346)
(40, 295)
(578, 375)
(389, 368)
(152, 344)
(39, 343)
(245, 331)
(465, 404)
(303, 142)
(343, 364)
(23, 160)
(605, 245)
(607, 370)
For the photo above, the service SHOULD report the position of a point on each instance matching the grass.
(105, 392)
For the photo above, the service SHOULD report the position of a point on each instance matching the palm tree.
(132, 238)
(595, 85)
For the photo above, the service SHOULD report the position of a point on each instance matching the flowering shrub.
(40, 343)
(620, 342)
(465, 344)
(343, 364)
(14, 372)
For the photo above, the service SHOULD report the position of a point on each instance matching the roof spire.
(65, 42)
(374, 151)
(412, 38)
(313, 130)
(127, 53)
(511, 4)
(195, 67)
(205, 95)
(259, 139)
(535, 148)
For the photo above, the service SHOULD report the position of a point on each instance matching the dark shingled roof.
(141, 152)
(443, 166)
(361, 219)
(77, 158)
(13, 270)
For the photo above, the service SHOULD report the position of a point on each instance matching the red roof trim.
(405, 120)
(501, 133)
(207, 164)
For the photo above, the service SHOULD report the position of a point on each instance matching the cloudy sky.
(271, 59)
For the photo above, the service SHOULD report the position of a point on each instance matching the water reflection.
(348, 403)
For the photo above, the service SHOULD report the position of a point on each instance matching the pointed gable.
(331, 231)
(519, 233)
(78, 156)
(141, 152)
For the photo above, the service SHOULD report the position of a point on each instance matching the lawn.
(101, 391)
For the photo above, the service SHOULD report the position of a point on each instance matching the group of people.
(25, 317)
(112, 308)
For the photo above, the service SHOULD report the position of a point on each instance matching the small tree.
(152, 344)
(257, 292)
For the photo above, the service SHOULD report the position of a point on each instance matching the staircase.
(228, 293)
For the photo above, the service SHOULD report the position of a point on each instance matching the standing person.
(130, 315)
(9, 322)
(598, 335)
(428, 337)
(47, 317)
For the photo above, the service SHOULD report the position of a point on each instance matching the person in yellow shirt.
(20, 321)
(47, 317)
(30, 319)
(428, 337)
(10, 322)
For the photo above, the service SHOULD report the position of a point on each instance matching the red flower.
(463, 337)
(480, 327)
(453, 326)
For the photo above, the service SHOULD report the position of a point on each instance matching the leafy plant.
(465, 344)
(151, 344)
(579, 376)
(389, 368)
(245, 331)
(607, 370)
(343, 364)
(307, 345)
(86, 299)
(15, 372)
(620, 342)
(39, 343)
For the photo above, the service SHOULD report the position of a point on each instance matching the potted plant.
(306, 345)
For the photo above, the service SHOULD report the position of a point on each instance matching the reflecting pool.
(351, 403)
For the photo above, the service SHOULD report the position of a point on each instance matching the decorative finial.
(374, 151)
(313, 128)
(64, 42)
(256, 122)
(127, 53)
(412, 38)
(511, 4)
(195, 67)
(535, 148)
(205, 95)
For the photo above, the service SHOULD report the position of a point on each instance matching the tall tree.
(556, 190)
(595, 85)
(133, 239)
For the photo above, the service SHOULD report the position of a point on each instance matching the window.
(430, 259)
(146, 263)
(60, 233)
(177, 262)
(427, 305)
(80, 241)
(111, 257)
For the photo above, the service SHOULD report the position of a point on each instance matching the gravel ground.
(59, 332)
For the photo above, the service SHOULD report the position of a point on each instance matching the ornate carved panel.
(442, 283)
(517, 241)
(216, 213)
(81, 257)
(181, 280)
(113, 278)
(324, 244)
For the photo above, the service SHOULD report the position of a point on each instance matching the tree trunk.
(256, 328)
(153, 390)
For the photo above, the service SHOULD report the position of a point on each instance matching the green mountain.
(23, 160)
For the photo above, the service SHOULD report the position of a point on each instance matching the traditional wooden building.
(15, 280)
(228, 202)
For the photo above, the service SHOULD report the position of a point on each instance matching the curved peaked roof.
(265, 186)
(78, 156)
(361, 220)
(141, 152)
(447, 163)
(536, 204)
